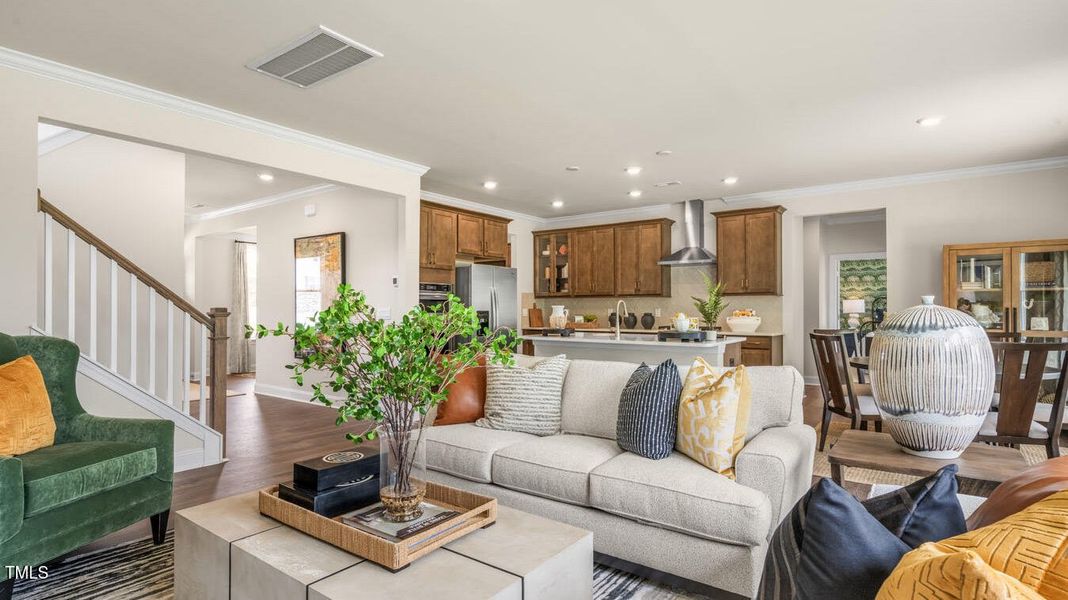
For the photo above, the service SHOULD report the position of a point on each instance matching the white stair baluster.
(169, 382)
(186, 349)
(72, 241)
(152, 341)
(48, 291)
(92, 302)
(203, 372)
(133, 328)
(114, 317)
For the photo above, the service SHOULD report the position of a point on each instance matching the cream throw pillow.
(713, 415)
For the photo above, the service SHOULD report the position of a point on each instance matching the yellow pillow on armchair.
(713, 415)
(26, 422)
(1021, 556)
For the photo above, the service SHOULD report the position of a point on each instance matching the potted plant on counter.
(389, 376)
(713, 305)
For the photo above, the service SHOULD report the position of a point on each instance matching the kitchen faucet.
(620, 315)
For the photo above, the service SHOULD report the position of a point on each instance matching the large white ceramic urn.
(932, 374)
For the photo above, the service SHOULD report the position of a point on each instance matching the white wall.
(130, 195)
(214, 271)
(369, 220)
(920, 219)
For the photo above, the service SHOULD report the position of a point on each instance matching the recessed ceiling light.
(663, 152)
(635, 193)
(489, 185)
(572, 168)
(730, 180)
(929, 121)
(265, 176)
(633, 170)
(558, 203)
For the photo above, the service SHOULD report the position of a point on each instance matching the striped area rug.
(143, 571)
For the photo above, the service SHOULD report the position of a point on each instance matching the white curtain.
(242, 352)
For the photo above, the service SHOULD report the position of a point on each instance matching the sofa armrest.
(12, 503)
(157, 433)
(778, 462)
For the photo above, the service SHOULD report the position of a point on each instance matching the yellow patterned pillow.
(1029, 549)
(713, 415)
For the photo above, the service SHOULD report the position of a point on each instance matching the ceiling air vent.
(319, 55)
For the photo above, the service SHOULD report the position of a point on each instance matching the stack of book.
(334, 484)
(371, 520)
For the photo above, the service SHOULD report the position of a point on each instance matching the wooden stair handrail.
(65, 220)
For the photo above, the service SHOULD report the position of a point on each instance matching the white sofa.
(673, 515)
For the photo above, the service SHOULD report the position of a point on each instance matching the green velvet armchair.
(101, 475)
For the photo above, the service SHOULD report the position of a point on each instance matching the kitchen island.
(633, 348)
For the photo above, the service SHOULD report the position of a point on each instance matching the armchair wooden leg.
(159, 527)
(7, 587)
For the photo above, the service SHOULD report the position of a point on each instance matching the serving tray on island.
(474, 512)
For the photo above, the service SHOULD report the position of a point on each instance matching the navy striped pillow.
(649, 411)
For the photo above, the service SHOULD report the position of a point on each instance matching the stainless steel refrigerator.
(492, 292)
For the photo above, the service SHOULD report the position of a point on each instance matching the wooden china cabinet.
(1010, 287)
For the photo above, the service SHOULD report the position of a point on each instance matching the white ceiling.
(779, 93)
(221, 184)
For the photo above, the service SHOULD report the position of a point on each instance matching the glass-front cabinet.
(552, 264)
(1010, 288)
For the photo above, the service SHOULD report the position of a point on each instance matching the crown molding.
(53, 70)
(304, 192)
(622, 214)
(903, 180)
(479, 207)
(59, 140)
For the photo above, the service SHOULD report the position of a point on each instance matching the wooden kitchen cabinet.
(749, 250)
(605, 260)
(757, 351)
(594, 262)
(495, 238)
(437, 238)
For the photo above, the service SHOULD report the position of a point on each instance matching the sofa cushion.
(776, 398)
(649, 411)
(678, 493)
(466, 397)
(525, 399)
(465, 450)
(591, 397)
(556, 467)
(65, 473)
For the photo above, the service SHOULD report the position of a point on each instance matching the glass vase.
(402, 461)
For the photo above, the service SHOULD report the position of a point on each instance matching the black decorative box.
(336, 500)
(325, 472)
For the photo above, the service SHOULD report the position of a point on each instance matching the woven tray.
(476, 512)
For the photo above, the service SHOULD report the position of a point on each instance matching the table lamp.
(853, 307)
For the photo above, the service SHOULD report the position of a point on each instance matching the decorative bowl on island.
(743, 321)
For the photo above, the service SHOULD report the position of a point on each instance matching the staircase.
(139, 340)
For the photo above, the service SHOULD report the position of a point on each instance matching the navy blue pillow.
(833, 546)
(649, 411)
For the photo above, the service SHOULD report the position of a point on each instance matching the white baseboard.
(285, 393)
(812, 380)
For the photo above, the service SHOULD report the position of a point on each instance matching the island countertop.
(630, 347)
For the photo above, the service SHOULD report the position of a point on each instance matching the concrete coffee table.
(227, 549)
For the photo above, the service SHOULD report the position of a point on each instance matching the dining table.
(862, 363)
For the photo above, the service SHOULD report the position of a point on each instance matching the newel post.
(219, 337)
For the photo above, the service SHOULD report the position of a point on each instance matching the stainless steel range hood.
(693, 252)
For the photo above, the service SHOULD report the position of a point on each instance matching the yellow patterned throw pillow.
(713, 415)
(1022, 556)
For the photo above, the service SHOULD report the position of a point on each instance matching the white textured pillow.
(525, 399)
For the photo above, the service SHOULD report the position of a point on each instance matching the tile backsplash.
(685, 282)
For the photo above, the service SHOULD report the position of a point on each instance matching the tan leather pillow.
(26, 422)
(1021, 491)
(467, 397)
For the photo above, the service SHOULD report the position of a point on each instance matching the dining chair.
(1018, 416)
(841, 396)
(853, 345)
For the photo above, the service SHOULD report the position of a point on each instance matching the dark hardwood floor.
(264, 437)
